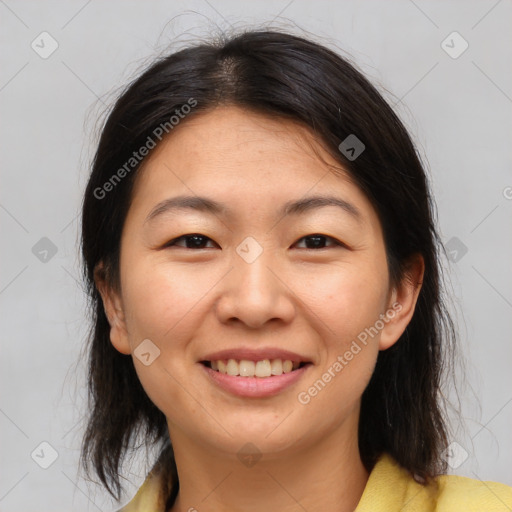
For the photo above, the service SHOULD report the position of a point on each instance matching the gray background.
(458, 110)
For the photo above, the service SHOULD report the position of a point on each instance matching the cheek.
(333, 395)
(162, 305)
(348, 302)
(347, 299)
(348, 305)
(161, 299)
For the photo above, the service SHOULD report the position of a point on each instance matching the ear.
(402, 302)
(113, 307)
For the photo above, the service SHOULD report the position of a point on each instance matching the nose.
(255, 294)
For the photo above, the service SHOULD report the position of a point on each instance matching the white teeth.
(276, 367)
(287, 366)
(232, 368)
(222, 366)
(246, 368)
(262, 369)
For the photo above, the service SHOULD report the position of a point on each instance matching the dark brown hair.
(282, 75)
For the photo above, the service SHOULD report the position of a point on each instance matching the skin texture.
(190, 302)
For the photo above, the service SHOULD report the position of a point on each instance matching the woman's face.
(274, 273)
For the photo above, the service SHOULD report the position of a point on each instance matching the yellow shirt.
(390, 488)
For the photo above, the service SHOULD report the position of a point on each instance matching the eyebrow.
(207, 205)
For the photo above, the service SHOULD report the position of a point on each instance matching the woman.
(263, 265)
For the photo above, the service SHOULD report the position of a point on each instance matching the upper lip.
(250, 354)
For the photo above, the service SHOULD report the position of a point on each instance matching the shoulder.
(149, 497)
(391, 487)
(461, 493)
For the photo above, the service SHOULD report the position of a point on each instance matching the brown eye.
(319, 241)
(190, 241)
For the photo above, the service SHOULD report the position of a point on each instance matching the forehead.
(243, 158)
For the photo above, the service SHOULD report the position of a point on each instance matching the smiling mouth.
(260, 369)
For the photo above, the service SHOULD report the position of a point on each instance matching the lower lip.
(255, 387)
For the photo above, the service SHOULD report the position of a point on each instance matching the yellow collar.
(389, 487)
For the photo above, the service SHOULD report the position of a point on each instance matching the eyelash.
(172, 243)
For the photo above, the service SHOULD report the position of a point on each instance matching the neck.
(326, 476)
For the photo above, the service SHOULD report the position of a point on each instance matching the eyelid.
(337, 243)
(172, 243)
